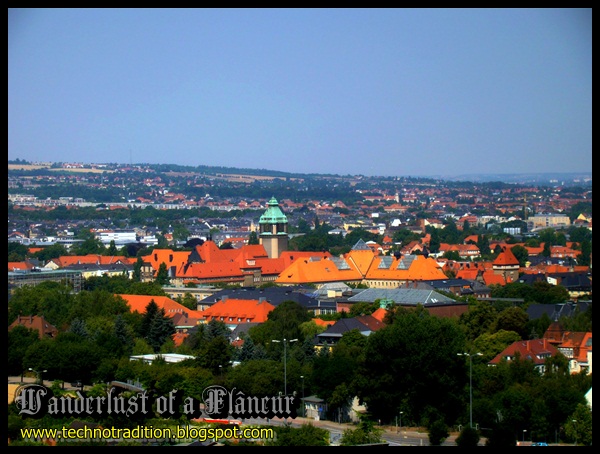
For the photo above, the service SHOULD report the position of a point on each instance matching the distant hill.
(550, 179)
(533, 179)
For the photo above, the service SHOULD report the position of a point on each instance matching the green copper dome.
(273, 215)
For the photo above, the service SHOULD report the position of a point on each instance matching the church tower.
(273, 230)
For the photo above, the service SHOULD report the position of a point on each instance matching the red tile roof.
(506, 258)
(536, 350)
(235, 311)
(37, 323)
(138, 303)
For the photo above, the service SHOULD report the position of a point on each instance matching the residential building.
(35, 322)
(535, 350)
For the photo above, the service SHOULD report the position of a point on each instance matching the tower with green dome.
(273, 230)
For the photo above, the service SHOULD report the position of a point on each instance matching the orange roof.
(361, 258)
(469, 274)
(471, 238)
(138, 303)
(489, 277)
(506, 258)
(380, 314)
(320, 271)
(361, 264)
(230, 310)
(406, 268)
(168, 257)
(92, 259)
(22, 266)
(208, 262)
(579, 342)
(289, 257)
(178, 338)
(321, 322)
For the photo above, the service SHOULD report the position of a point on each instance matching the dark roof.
(241, 328)
(273, 295)
(447, 284)
(570, 280)
(403, 296)
(343, 325)
(556, 311)
(531, 278)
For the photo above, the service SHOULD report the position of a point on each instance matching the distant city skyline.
(376, 92)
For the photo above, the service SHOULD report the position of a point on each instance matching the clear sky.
(406, 92)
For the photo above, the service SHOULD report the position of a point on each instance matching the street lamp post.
(38, 375)
(524, 430)
(285, 342)
(302, 377)
(400, 415)
(470, 355)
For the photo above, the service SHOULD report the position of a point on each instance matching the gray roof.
(344, 325)
(335, 286)
(556, 311)
(402, 296)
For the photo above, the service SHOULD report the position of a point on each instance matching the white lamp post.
(285, 341)
(302, 377)
(470, 355)
(399, 415)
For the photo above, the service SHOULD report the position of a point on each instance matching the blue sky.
(388, 92)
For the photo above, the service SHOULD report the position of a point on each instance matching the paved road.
(405, 436)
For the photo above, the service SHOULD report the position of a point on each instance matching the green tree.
(434, 242)
(468, 437)
(137, 270)
(337, 369)
(258, 377)
(17, 252)
(112, 248)
(180, 232)
(578, 428)
(451, 255)
(253, 238)
(216, 355)
(162, 276)
(484, 245)
(365, 433)
(521, 254)
(124, 334)
(513, 319)
(51, 252)
(188, 301)
(438, 432)
(248, 349)
(283, 322)
(479, 319)
(305, 435)
(90, 245)
(585, 257)
(546, 250)
(156, 327)
(490, 344)
(20, 339)
(386, 378)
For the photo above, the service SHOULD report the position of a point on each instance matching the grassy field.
(48, 166)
